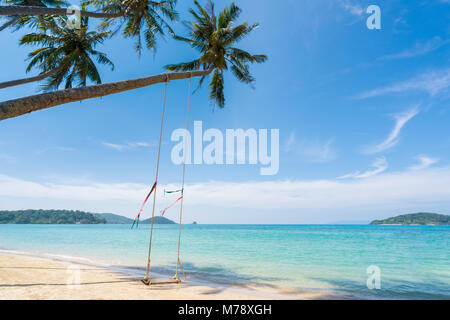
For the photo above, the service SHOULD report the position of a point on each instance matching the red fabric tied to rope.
(163, 211)
(136, 220)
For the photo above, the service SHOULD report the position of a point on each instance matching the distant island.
(49, 217)
(112, 218)
(421, 218)
(158, 220)
(69, 217)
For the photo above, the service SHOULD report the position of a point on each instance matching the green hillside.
(69, 217)
(421, 218)
(117, 219)
(158, 220)
(49, 217)
(112, 218)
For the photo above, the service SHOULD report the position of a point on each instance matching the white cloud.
(317, 151)
(392, 140)
(139, 144)
(420, 49)
(126, 146)
(56, 148)
(311, 150)
(290, 142)
(7, 158)
(420, 188)
(353, 9)
(432, 82)
(380, 165)
(424, 162)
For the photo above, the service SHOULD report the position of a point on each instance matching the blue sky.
(363, 118)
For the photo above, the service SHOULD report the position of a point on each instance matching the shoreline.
(29, 276)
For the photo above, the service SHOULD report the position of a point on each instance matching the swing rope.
(146, 280)
(179, 266)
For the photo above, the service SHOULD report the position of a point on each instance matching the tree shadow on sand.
(217, 278)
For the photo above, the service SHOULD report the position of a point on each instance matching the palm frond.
(141, 18)
(69, 53)
(228, 15)
(185, 66)
(216, 89)
(215, 38)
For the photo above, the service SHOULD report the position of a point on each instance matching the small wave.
(56, 257)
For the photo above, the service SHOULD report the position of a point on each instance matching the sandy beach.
(26, 277)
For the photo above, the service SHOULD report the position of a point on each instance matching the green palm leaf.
(215, 39)
(216, 89)
(145, 19)
(68, 52)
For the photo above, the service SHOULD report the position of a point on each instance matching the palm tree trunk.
(28, 80)
(17, 107)
(36, 11)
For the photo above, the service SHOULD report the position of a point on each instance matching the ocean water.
(413, 260)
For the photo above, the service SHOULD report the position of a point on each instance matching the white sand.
(24, 277)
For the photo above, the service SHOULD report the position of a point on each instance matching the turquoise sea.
(413, 260)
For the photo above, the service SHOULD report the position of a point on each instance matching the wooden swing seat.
(153, 281)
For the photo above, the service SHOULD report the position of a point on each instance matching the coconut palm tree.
(64, 55)
(19, 21)
(141, 18)
(216, 38)
(35, 10)
(198, 68)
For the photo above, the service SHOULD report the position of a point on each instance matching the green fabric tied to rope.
(174, 191)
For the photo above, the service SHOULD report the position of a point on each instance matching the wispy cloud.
(420, 49)
(423, 162)
(311, 150)
(7, 158)
(392, 139)
(432, 82)
(352, 8)
(318, 151)
(126, 146)
(56, 148)
(290, 143)
(380, 165)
